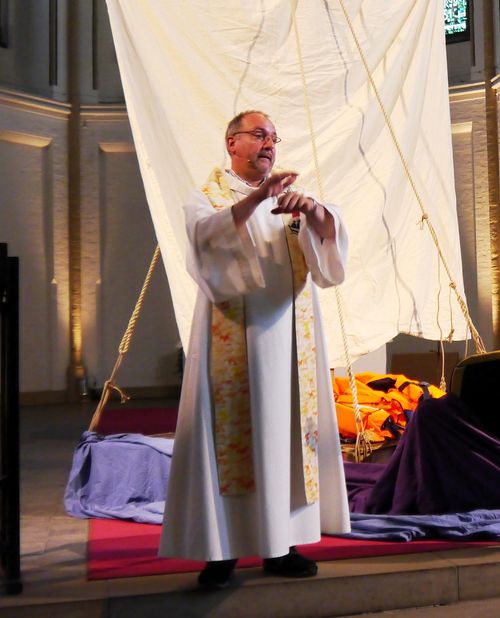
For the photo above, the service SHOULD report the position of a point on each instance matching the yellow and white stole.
(229, 370)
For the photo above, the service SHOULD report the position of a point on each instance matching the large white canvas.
(188, 66)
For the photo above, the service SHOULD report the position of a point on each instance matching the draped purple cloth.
(122, 476)
(442, 482)
(446, 462)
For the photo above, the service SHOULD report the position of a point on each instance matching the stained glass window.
(457, 20)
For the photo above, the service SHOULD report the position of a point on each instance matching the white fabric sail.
(189, 66)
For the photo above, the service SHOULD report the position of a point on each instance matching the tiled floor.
(458, 583)
(53, 545)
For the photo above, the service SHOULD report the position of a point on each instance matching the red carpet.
(148, 421)
(125, 549)
(119, 548)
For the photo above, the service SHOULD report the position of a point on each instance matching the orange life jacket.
(385, 402)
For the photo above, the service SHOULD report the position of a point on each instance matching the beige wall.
(33, 220)
(117, 243)
(473, 205)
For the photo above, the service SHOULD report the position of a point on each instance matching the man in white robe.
(241, 251)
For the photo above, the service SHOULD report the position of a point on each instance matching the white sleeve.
(221, 259)
(326, 258)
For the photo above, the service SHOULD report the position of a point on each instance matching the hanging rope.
(110, 385)
(478, 342)
(363, 446)
(441, 356)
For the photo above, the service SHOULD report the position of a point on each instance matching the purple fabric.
(442, 482)
(122, 476)
(478, 525)
(444, 463)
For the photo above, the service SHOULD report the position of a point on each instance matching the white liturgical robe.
(199, 522)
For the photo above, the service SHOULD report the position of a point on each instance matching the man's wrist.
(260, 194)
(313, 206)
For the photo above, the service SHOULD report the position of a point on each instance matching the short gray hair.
(235, 123)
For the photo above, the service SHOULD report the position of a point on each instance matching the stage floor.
(455, 583)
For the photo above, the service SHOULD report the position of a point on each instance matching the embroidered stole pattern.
(306, 361)
(229, 370)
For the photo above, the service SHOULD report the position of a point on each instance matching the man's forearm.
(271, 187)
(245, 208)
(321, 221)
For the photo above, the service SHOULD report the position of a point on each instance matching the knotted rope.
(110, 385)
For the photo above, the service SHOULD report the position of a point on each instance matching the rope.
(442, 382)
(110, 385)
(441, 357)
(363, 446)
(480, 348)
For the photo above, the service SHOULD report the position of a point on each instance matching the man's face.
(251, 157)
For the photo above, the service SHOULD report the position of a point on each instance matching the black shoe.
(217, 574)
(292, 564)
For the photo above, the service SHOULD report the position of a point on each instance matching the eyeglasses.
(260, 135)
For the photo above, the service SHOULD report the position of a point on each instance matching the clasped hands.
(288, 201)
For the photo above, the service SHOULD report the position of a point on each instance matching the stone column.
(491, 111)
(77, 383)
